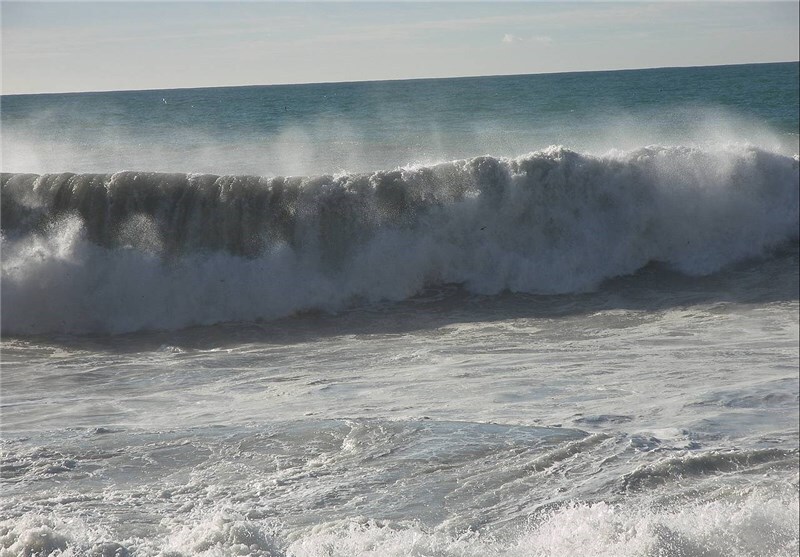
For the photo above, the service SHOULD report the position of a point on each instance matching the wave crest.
(133, 250)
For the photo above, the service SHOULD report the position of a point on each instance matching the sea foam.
(756, 523)
(130, 250)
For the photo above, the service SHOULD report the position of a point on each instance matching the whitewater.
(515, 316)
(200, 249)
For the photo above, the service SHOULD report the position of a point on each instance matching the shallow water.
(555, 353)
(658, 414)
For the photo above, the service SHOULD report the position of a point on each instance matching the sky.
(111, 45)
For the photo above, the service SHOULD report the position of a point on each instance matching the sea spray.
(129, 250)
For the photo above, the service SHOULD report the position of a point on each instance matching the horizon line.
(399, 79)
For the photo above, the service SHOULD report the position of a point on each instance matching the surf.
(137, 250)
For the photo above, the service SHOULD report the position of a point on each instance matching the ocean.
(539, 315)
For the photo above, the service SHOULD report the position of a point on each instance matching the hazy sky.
(71, 46)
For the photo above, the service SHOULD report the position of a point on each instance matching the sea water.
(539, 315)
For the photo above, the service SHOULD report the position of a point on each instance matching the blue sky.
(77, 46)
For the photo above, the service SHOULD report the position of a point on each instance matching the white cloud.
(509, 38)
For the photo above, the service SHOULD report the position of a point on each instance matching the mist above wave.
(132, 250)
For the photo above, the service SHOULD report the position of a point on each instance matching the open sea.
(539, 315)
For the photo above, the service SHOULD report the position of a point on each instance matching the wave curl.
(133, 250)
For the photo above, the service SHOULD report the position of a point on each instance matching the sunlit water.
(580, 350)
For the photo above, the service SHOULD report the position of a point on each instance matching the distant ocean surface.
(541, 315)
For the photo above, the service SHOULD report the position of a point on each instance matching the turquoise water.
(359, 127)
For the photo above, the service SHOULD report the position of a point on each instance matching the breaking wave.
(757, 523)
(131, 250)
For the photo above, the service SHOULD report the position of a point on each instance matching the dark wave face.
(129, 251)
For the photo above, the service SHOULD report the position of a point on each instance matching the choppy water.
(442, 337)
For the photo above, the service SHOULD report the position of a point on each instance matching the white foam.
(181, 252)
(734, 525)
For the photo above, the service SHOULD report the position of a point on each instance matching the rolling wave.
(133, 250)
